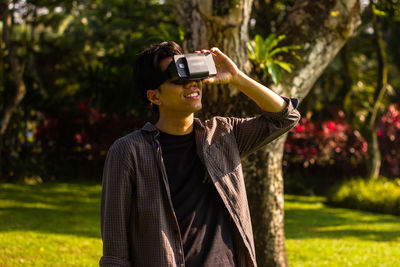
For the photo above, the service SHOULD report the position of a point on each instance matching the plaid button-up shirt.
(138, 222)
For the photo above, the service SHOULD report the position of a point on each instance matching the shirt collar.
(197, 123)
(150, 128)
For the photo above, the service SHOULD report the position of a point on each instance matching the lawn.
(49, 225)
(58, 225)
(317, 235)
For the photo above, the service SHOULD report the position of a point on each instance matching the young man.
(173, 192)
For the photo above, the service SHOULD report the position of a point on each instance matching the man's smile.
(193, 94)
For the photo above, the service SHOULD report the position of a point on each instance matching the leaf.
(284, 49)
(275, 42)
(335, 13)
(269, 41)
(262, 52)
(284, 65)
(378, 12)
(275, 72)
(279, 50)
(281, 37)
(259, 47)
(295, 55)
(294, 47)
(266, 71)
(251, 50)
(267, 57)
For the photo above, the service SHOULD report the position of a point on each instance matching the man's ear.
(153, 96)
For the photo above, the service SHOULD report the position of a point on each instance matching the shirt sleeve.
(116, 202)
(253, 133)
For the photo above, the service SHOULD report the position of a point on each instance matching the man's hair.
(147, 69)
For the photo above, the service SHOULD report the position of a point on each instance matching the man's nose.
(198, 84)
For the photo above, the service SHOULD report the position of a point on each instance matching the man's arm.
(228, 72)
(116, 201)
(279, 116)
(253, 133)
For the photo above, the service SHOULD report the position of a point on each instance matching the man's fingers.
(216, 51)
(209, 80)
(213, 50)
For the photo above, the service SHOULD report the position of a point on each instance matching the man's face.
(180, 98)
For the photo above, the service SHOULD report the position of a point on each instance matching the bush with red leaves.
(388, 130)
(80, 137)
(325, 143)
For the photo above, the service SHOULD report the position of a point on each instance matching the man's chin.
(198, 107)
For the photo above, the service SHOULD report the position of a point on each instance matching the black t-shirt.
(203, 220)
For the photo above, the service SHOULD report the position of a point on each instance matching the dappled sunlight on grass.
(50, 225)
(318, 235)
(61, 208)
(58, 224)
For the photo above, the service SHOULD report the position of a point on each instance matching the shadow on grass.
(51, 208)
(337, 223)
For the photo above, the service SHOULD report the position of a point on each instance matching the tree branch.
(17, 70)
(382, 68)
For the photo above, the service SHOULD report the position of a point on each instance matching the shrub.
(376, 195)
(74, 142)
(388, 130)
(321, 153)
(325, 143)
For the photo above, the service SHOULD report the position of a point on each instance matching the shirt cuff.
(291, 104)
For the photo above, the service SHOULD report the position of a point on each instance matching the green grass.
(317, 235)
(49, 225)
(58, 225)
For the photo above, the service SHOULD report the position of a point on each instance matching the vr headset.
(186, 68)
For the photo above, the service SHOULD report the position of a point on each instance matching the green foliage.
(76, 52)
(376, 195)
(358, 102)
(378, 12)
(264, 54)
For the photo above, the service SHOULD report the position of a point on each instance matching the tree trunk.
(17, 69)
(345, 57)
(321, 28)
(264, 182)
(374, 155)
(369, 131)
(221, 24)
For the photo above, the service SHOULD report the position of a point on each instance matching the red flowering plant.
(320, 153)
(388, 130)
(325, 142)
(81, 136)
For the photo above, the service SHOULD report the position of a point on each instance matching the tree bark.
(17, 93)
(345, 57)
(369, 131)
(321, 28)
(17, 70)
(221, 24)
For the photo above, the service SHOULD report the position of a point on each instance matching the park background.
(66, 94)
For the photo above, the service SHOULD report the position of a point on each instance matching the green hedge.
(376, 195)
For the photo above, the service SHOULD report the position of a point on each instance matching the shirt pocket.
(224, 154)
